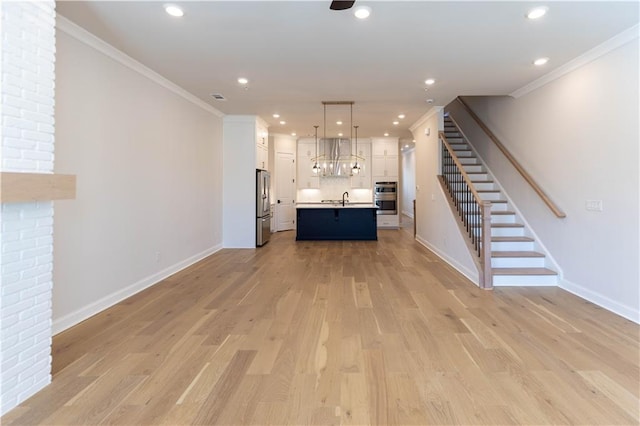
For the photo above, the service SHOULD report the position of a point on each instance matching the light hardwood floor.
(351, 333)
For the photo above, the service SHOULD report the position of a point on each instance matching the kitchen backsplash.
(332, 189)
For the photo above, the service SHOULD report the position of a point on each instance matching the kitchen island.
(323, 221)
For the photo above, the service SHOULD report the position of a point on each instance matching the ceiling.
(296, 54)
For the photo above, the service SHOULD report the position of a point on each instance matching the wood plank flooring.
(351, 333)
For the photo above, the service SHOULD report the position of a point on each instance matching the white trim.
(602, 49)
(420, 121)
(471, 275)
(79, 33)
(73, 318)
(618, 308)
(242, 118)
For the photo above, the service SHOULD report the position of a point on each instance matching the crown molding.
(65, 25)
(602, 49)
(434, 110)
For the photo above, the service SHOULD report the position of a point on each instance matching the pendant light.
(316, 168)
(356, 168)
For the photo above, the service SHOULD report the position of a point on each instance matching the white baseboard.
(604, 302)
(73, 318)
(471, 275)
(407, 213)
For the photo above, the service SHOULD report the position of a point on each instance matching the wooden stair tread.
(516, 254)
(502, 225)
(523, 271)
(492, 201)
(517, 239)
(503, 213)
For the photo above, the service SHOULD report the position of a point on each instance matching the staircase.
(515, 256)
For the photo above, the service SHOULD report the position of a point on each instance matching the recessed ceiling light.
(283, 122)
(362, 12)
(429, 81)
(395, 123)
(537, 12)
(293, 134)
(339, 123)
(243, 80)
(406, 146)
(429, 101)
(414, 141)
(339, 134)
(401, 116)
(541, 61)
(276, 115)
(173, 10)
(386, 134)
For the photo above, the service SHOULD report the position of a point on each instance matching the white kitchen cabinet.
(385, 159)
(388, 221)
(306, 177)
(262, 147)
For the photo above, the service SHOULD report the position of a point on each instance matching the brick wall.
(26, 233)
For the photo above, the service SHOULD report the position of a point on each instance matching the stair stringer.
(550, 261)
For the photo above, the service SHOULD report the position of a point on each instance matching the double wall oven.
(385, 196)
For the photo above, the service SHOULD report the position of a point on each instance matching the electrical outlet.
(593, 205)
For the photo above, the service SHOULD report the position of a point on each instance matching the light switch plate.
(593, 205)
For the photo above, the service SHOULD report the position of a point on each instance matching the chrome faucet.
(347, 194)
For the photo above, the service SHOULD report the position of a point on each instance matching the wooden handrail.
(555, 209)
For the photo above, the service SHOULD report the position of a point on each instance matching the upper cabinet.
(385, 159)
(262, 146)
(306, 152)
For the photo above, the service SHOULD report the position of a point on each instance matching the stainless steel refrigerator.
(263, 208)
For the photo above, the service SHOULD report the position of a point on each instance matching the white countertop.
(336, 206)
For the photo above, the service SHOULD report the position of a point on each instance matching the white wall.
(578, 137)
(27, 70)
(239, 193)
(435, 223)
(408, 181)
(149, 177)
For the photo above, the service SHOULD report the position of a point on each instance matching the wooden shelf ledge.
(26, 187)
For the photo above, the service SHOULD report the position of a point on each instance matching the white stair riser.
(474, 178)
(525, 280)
(459, 145)
(469, 161)
(464, 154)
(503, 218)
(490, 196)
(485, 185)
(517, 262)
(507, 232)
(513, 246)
(495, 207)
(473, 168)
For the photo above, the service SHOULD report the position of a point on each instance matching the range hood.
(335, 157)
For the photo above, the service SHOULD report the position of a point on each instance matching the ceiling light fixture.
(537, 12)
(362, 12)
(283, 122)
(386, 134)
(429, 81)
(173, 10)
(243, 80)
(541, 61)
(339, 123)
(276, 115)
(356, 167)
(395, 123)
(340, 134)
(316, 168)
(429, 101)
(401, 116)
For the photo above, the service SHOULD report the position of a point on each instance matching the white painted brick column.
(26, 233)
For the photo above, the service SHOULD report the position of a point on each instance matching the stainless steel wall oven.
(385, 196)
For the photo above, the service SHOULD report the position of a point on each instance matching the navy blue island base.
(336, 223)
